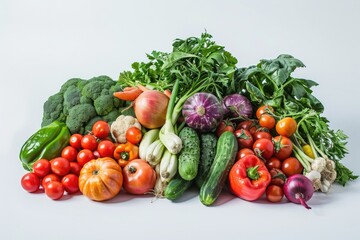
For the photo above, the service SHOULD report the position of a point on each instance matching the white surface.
(44, 43)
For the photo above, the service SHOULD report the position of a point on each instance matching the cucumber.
(189, 155)
(225, 156)
(207, 155)
(176, 188)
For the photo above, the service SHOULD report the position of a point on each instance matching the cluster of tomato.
(61, 174)
(268, 139)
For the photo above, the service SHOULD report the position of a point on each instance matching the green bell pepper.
(46, 143)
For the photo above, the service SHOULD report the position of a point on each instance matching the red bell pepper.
(249, 178)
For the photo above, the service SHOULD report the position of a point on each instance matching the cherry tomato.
(263, 148)
(261, 134)
(244, 138)
(60, 166)
(273, 162)
(75, 140)
(50, 178)
(106, 148)
(70, 183)
(283, 147)
(133, 135)
(101, 129)
(75, 168)
(54, 190)
(277, 177)
(139, 177)
(84, 156)
(69, 153)
(249, 125)
(286, 126)
(244, 152)
(263, 109)
(267, 121)
(224, 126)
(42, 167)
(30, 182)
(291, 166)
(89, 142)
(274, 193)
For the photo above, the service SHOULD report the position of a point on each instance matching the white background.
(44, 43)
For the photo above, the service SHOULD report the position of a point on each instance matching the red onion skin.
(202, 111)
(299, 189)
(237, 106)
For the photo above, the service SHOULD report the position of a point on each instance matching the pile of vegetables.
(189, 118)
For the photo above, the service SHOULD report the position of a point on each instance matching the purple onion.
(298, 189)
(237, 105)
(202, 111)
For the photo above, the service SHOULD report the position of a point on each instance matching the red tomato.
(291, 166)
(224, 126)
(75, 140)
(267, 121)
(277, 177)
(30, 182)
(75, 168)
(139, 177)
(133, 135)
(89, 142)
(101, 129)
(263, 148)
(244, 152)
(69, 153)
(263, 109)
(42, 167)
(273, 162)
(84, 156)
(244, 138)
(54, 190)
(50, 178)
(96, 154)
(249, 125)
(283, 147)
(274, 193)
(60, 166)
(106, 148)
(261, 134)
(286, 126)
(70, 183)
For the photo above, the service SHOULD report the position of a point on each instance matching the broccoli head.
(81, 102)
(79, 116)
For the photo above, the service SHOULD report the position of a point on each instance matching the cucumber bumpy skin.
(225, 157)
(190, 154)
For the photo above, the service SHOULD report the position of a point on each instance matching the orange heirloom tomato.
(101, 179)
(126, 152)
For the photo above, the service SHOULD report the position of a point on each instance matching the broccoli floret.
(53, 109)
(79, 116)
(115, 88)
(96, 85)
(72, 82)
(72, 97)
(110, 117)
(104, 104)
(84, 99)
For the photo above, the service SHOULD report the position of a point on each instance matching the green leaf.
(255, 93)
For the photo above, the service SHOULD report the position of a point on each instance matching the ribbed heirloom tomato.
(101, 179)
